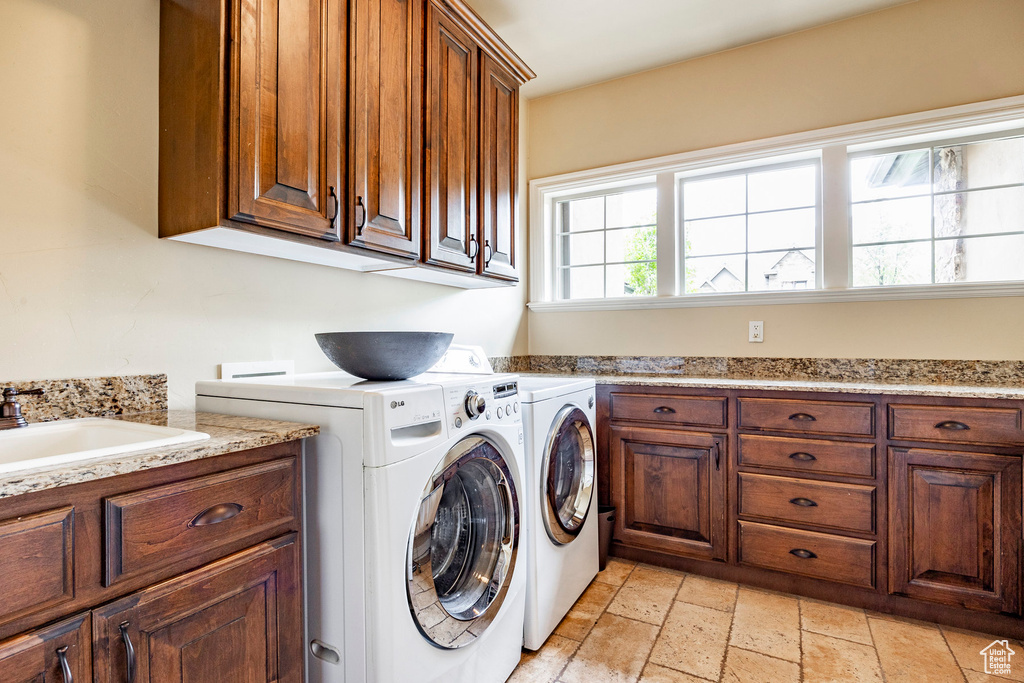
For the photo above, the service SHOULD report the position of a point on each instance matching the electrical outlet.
(756, 331)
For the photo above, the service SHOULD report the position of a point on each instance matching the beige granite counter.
(227, 434)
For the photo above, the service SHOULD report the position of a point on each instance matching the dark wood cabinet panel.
(955, 528)
(672, 488)
(816, 456)
(499, 169)
(385, 126)
(451, 144)
(237, 620)
(699, 411)
(808, 553)
(813, 417)
(281, 177)
(36, 562)
(60, 653)
(956, 424)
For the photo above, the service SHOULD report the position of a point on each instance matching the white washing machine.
(561, 499)
(412, 521)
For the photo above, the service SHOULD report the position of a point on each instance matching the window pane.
(979, 164)
(633, 208)
(781, 230)
(979, 212)
(632, 244)
(586, 214)
(792, 269)
(892, 264)
(583, 249)
(715, 274)
(715, 236)
(892, 219)
(901, 174)
(783, 189)
(980, 259)
(715, 197)
(632, 279)
(585, 283)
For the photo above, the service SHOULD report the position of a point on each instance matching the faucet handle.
(10, 392)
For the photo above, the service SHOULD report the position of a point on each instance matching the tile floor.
(652, 625)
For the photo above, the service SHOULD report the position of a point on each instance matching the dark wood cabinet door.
(385, 125)
(238, 620)
(61, 653)
(955, 528)
(281, 176)
(499, 171)
(451, 145)
(672, 486)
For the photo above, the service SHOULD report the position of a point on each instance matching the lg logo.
(397, 404)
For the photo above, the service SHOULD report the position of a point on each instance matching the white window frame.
(832, 145)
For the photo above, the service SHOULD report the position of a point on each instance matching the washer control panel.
(483, 402)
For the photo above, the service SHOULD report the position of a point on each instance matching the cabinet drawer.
(808, 455)
(818, 417)
(682, 410)
(821, 556)
(36, 562)
(956, 424)
(169, 524)
(841, 506)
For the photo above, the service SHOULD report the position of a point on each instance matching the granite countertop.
(227, 434)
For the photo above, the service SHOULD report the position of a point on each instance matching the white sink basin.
(53, 443)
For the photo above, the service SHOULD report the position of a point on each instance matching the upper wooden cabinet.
(499, 168)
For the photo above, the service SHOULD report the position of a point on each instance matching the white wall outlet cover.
(756, 331)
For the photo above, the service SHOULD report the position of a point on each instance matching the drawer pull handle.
(803, 457)
(802, 417)
(129, 653)
(802, 554)
(952, 425)
(65, 670)
(804, 502)
(664, 409)
(221, 512)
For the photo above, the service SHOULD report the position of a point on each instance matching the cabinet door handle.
(362, 218)
(65, 670)
(664, 409)
(333, 218)
(129, 653)
(717, 450)
(216, 514)
(474, 251)
(489, 253)
(952, 425)
(804, 502)
(802, 417)
(802, 457)
(802, 554)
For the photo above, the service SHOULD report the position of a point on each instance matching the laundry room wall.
(914, 57)
(87, 288)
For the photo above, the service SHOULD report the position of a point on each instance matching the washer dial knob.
(475, 405)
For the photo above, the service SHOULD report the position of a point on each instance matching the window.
(608, 244)
(751, 230)
(939, 214)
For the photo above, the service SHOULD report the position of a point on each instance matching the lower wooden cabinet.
(60, 653)
(238, 619)
(955, 528)
(672, 486)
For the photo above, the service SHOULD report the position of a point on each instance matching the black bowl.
(384, 356)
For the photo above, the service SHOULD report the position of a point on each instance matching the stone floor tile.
(614, 652)
(584, 614)
(544, 665)
(659, 674)
(646, 596)
(693, 640)
(743, 666)
(616, 571)
(911, 653)
(768, 623)
(838, 621)
(831, 660)
(967, 647)
(979, 677)
(700, 590)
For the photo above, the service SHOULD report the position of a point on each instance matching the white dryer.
(561, 499)
(413, 521)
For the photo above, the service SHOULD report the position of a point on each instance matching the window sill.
(813, 296)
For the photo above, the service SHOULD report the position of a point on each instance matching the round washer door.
(567, 475)
(463, 544)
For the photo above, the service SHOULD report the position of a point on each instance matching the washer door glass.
(568, 472)
(463, 546)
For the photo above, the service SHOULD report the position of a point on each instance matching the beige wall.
(87, 289)
(915, 57)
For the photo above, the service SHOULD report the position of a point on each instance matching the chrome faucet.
(10, 409)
